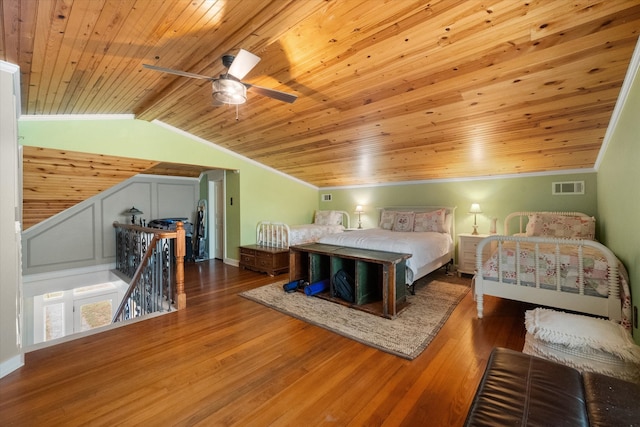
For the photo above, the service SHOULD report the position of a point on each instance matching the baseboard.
(8, 366)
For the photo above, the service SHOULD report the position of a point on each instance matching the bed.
(424, 232)
(281, 235)
(553, 259)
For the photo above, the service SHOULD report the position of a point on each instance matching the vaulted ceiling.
(388, 91)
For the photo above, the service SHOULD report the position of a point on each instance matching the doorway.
(215, 218)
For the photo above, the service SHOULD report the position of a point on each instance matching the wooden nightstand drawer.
(467, 246)
(247, 259)
(247, 251)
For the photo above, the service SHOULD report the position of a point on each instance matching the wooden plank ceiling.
(389, 91)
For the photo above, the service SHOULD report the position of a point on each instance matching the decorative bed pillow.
(448, 220)
(430, 221)
(386, 220)
(328, 218)
(560, 226)
(403, 221)
(583, 342)
(336, 218)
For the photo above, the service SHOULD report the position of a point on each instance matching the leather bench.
(518, 389)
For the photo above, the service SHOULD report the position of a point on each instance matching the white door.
(216, 229)
(93, 312)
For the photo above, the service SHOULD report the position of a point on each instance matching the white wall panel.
(83, 235)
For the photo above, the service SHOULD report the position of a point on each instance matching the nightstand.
(264, 259)
(467, 244)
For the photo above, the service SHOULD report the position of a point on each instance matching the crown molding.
(231, 153)
(67, 117)
(633, 72)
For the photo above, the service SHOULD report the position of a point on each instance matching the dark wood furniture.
(264, 259)
(520, 389)
(378, 276)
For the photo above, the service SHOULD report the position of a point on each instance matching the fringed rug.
(406, 336)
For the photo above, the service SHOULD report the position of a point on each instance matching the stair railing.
(155, 275)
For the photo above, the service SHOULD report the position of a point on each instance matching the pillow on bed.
(430, 221)
(328, 218)
(448, 219)
(560, 226)
(386, 220)
(403, 221)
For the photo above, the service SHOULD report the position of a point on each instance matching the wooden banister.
(178, 236)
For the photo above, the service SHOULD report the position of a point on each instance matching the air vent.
(326, 197)
(567, 187)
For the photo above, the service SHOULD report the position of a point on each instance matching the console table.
(376, 275)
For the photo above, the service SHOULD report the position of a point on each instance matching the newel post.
(181, 297)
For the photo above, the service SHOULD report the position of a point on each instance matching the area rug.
(406, 336)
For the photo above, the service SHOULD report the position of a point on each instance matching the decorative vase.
(493, 226)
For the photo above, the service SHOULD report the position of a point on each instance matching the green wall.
(265, 194)
(261, 194)
(618, 194)
(497, 198)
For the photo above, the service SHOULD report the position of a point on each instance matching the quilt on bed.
(309, 233)
(424, 247)
(596, 273)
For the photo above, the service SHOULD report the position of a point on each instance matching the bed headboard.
(518, 220)
(449, 210)
(346, 219)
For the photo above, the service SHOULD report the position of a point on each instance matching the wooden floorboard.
(226, 360)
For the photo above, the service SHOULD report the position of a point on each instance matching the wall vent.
(567, 187)
(326, 197)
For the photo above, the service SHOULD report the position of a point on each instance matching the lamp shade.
(229, 91)
(475, 208)
(133, 211)
(359, 209)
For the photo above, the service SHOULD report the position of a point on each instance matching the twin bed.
(553, 259)
(281, 235)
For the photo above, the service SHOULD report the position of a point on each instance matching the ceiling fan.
(228, 89)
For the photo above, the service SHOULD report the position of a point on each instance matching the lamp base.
(475, 230)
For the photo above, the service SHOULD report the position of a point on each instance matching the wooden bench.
(379, 276)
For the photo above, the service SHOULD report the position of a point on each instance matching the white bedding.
(424, 247)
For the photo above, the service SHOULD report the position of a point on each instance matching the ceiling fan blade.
(272, 93)
(177, 72)
(243, 63)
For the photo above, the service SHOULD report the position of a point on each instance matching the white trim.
(68, 117)
(466, 179)
(231, 261)
(64, 280)
(166, 177)
(77, 335)
(36, 277)
(9, 67)
(632, 72)
(229, 152)
(10, 365)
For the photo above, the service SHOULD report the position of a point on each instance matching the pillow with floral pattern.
(386, 220)
(561, 226)
(403, 221)
(430, 221)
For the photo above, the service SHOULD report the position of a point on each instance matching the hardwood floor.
(225, 360)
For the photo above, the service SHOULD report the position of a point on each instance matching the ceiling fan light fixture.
(228, 91)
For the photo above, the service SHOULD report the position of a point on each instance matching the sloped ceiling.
(388, 91)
